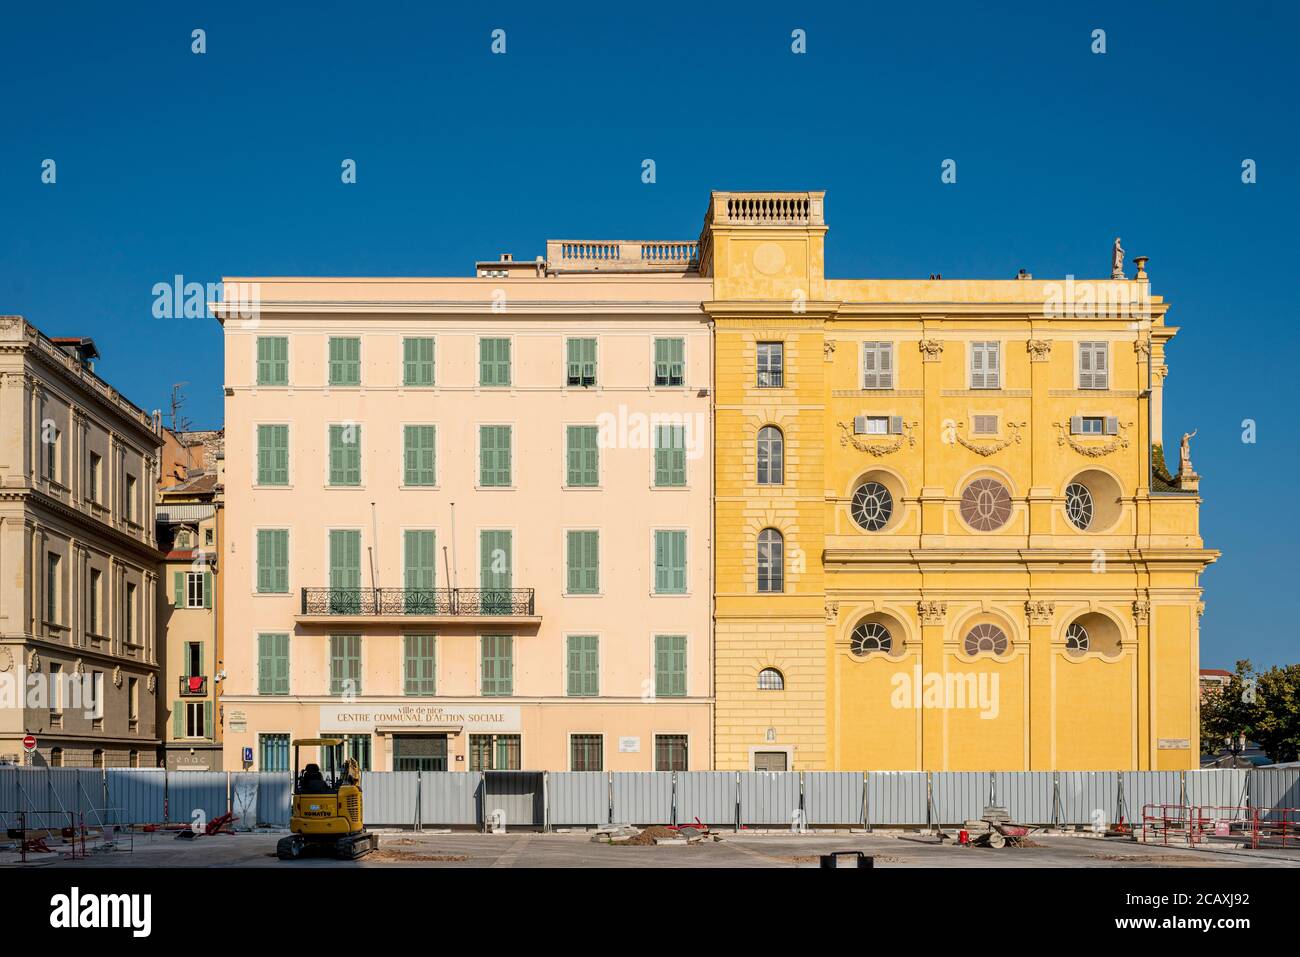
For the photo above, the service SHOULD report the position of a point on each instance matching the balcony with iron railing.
(423, 605)
(194, 686)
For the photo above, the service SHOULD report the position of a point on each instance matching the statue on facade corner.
(1117, 260)
(1185, 452)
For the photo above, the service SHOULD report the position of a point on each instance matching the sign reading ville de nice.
(469, 717)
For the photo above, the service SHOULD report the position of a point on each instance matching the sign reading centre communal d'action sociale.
(467, 717)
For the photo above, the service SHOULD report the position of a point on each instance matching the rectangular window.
(272, 455)
(93, 602)
(878, 424)
(494, 363)
(52, 588)
(670, 362)
(498, 665)
(193, 659)
(986, 365)
(273, 752)
(771, 365)
(273, 663)
(52, 456)
(494, 752)
(877, 365)
(95, 706)
(984, 424)
(670, 752)
(95, 477)
(345, 454)
(195, 712)
(580, 362)
(128, 635)
(670, 562)
(345, 665)
(418, 443)
(670, 666)
(1094, 365)
(1091, 425)
(583, 456)
(586, 752)
(494, 456)
(419, 570)
(272, 360)
(56, 688)
(345, 361)
(583, 562)
(583, 666)
(417, 362)
(670, 456)
(132, 699)
(419, 665)
(496, 554)
(357, 747)
(129, 504)
(273, 560)
(345, 570)
(197, 591)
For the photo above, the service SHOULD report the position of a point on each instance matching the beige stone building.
(78, 558)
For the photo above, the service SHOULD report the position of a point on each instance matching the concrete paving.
(464, 849)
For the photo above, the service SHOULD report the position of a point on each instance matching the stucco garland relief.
(117, 677)
(33, 661)
(908, 435)
(986, 450)
(1120, 441)
(1040, 612)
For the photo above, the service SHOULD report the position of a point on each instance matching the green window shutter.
(419, 665)
(345, 454)
(670, 455)
(497, 665)
(495, 573)
(670, 562)
(494, 455)
(583, 562)
(207, 719)
(273, 560)
(418, 454)
(273, 664)
(265, 667)
(345, 664)
(494, 362)
(272, 455)
(417, 362)
(178, 589)
(419, 573)
(584, 665)
(281, 673)
(207, 589)
(345, 361)
(670, 665)
(580, 362)
(178, 719)
(669, 365)
(583, 455)
(272, 360)
(345, 558)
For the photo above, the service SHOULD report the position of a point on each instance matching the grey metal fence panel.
(136, 795)
(1217, 787)
(578, 797)
(271, 802)
(244, 794)
(450, 797)
(63, 797)
(707, 795)
(1087, 796)
(896, 797)
(8, 797)
(833, 797)
(642, 797)
(190, 793)
(1150, 787)
(768, 797)
(1272, 788)
(515, 794)
(1027, 795)
(960, 796)
(390, 798)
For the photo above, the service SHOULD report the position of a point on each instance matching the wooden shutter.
(345, 559)
(207, 589)
(178, 589)
(895, 425)
(1112, 425)
(670, 665)
(178, 719)
(1076, 425)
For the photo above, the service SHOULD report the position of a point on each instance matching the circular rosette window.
(986, 505)
(872, 506)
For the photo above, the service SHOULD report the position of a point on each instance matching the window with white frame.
(194, 589)
(771, 365)
(1094, 365)
(984, 424)
(986, 365)
(877, 365)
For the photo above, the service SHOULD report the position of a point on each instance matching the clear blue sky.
(228, 163)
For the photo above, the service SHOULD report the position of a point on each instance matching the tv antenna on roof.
(179, 422)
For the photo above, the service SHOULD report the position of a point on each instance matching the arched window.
(769, 679)
(771, 456)
(1076, 639)
(871, 636)
(986, 639)
(56, 757)
(771, 560)
(97, 758)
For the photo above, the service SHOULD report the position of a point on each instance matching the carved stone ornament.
(931, 350)
(1040, 612)
(117, 677)
(1200, 609)
(988, 449)
(1040, 350)
(79, 668)
(932, 612)
(1120, 441)
(6, 659)
(1141, 611)
(33, 661)
(828, 349)
(1142, 347)
(878, 449)
(152, 683)
(832, 612)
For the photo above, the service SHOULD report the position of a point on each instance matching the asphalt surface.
(529, 850)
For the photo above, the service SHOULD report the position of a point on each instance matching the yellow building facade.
(945, 536)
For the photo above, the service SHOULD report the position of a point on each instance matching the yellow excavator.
(326, 813)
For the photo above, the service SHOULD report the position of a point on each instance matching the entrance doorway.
(770, 760)
(420, 752)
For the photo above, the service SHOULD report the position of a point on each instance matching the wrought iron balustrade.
(417, 601)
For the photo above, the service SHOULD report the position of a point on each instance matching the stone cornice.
(37, 499)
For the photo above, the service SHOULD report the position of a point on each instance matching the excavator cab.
(326, 812)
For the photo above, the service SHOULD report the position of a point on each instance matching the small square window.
(876, 425)
(1092, 425)
(985, 425)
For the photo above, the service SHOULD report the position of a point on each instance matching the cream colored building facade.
(468, 520)
(78, 559)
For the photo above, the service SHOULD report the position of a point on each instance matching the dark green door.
(495, 548)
